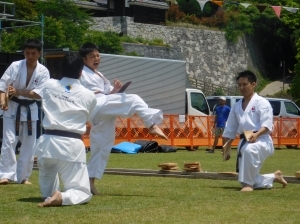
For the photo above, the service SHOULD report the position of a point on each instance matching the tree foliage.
(65, 25)
(107, 42)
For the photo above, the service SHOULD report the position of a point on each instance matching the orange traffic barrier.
(194, 131)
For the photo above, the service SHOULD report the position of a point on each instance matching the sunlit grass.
(136, 199)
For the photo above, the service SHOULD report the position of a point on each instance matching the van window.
(291, 108)
(213, 103)
(199, 103)
(276, 107)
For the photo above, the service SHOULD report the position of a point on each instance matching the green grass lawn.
(136, 199)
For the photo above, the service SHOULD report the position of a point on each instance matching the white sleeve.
(45, 77)
(232, 125)
(266, 114)
(7, 77)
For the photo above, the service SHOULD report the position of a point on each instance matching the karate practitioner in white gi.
(110, 105)
(252, 113)
(60, 150)
(24, 81)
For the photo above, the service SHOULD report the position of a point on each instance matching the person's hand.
(3, 106)
(117, 84)
(12, 91)
(253, 137)
(227, 157)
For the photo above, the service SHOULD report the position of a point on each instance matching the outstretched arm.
(20, 92)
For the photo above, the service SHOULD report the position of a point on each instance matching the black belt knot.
(61, 133)
(25, 103)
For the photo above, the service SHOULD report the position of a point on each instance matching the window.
(276, 107)
(291, 108)
(212, 103)
(199, 103)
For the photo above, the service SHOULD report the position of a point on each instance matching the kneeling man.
(60, 150)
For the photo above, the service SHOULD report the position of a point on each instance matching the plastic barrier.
(194, 131)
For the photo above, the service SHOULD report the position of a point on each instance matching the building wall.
(212, 61)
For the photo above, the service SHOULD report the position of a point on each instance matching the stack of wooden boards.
(168, 166)
(192, 167)
(188, 167)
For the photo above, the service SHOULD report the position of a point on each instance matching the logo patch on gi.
(35, 81)
(68, 88)
(253, 109)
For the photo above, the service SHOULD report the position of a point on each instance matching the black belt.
(61, 133)
(239, 154)
(26, 104)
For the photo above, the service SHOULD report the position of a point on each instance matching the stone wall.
(212, 61)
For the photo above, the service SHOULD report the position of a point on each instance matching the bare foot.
(4, 181)
(25, 182)
(155, 130)
(55, 200)
(279, 178)
(247, 188)
(93, 188)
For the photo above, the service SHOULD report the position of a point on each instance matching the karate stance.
(110, 104)
(67, 106)
(252, 113)
(24, 81)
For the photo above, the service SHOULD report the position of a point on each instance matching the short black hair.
(72, 65)
(247, 74)
(87, 48)
(33, 44)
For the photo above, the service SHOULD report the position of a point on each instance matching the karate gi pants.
(253, 156)
(102, 134)
(10, 167)
(74, 177)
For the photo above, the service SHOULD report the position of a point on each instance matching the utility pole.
(282, 64)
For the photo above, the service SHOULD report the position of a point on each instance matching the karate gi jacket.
(16, 75)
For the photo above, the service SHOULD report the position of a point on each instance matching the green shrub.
(108, 42)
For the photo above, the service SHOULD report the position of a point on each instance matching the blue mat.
(127, 147)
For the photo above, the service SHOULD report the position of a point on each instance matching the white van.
(281, 107)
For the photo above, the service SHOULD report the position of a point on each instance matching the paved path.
(274, 87)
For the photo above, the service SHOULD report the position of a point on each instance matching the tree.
(75, 21)
(107, 42)
(65, 25)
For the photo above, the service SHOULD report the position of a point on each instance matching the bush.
(108, 42)
(174, 14)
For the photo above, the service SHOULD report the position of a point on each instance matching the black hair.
(247, 74)
(72, 65)
(87, 48)
(33, 44)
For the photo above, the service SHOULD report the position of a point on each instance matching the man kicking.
(110, 105)
(60, 150)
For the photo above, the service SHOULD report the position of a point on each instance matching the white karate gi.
(102, 134)
(67, 106)
(16, 75)
(258, 113)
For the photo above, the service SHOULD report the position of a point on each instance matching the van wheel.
(192, 149)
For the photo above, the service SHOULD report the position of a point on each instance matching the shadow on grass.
(35, 200)
(230, 188)
(239, 188)
(124, 195)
